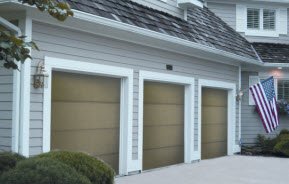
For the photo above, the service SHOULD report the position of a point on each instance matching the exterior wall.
(251, 122)
(170, 6)
(227, 12)
(67, 44)
(6, 97)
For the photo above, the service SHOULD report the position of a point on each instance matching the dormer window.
(255, 20)
(261, 19)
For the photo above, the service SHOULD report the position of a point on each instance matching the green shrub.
(42, 171)
(95, 170)
(282, 147)
(266, 144)
(284, 131)
(9, 160)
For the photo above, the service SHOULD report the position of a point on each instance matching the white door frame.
(126, 104)
(231, 114)
(189, 84)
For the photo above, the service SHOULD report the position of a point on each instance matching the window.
(269, 19)
(283, 89)
(261, 20)
(253, 18)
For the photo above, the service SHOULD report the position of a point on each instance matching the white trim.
(189, 84)
(24, 128)
(231, 88)
(240, 106)
(126, 75)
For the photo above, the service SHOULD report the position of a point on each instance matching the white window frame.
(189, 84)
(232, 147)
(281, 20)
(126, 104)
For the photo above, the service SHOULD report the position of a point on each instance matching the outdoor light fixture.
(240, 95)
(40, 78)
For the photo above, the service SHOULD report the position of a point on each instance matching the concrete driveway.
(230, 169)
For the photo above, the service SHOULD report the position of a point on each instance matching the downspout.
(16, 92)
(240, 106)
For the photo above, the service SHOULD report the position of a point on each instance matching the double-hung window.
(283, 89)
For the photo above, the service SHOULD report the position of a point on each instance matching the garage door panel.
(163, 157)
(168, 93)
(111, 159)
(213, 114)
(213, 150)
(214, 123)
(163, 114)
(214, 133)
(89, 88)
(98, 141)
(214, 98)
(85, 115)
(163, 136)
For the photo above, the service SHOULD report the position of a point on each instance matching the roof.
(272, 52)
(202, 26)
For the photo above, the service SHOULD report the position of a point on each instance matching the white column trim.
(25, 75)
(189, 84)
(231, 88)
(126, 75)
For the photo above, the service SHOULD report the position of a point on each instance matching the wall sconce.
(40, 78)
(240, 95)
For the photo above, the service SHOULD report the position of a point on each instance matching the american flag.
(265, 100)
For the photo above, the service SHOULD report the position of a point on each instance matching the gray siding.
(171, 6)
(251, 122)
(227, 12)
(6, 96)
(68, 44)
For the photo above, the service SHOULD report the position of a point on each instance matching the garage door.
(86, 115)
(163, 142)
(214, 123)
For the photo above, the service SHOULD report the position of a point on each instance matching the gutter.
(16, 92)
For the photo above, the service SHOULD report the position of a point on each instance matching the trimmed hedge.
(42, 171)
(9, 160)
(94, 169)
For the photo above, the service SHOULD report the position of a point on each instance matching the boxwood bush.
(9, 160)
(94, 169)
(42, 171)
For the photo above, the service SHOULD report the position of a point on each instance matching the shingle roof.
(202, 27)
(272, 52)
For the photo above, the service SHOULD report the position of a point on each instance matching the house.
(140, 84)
(264, 23)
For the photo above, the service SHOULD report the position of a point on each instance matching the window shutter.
(282, 20)
(241, 20)
(252, 80)
(269, 19)
(253, 18)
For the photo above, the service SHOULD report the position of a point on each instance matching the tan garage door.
(85, 115)
(214, 123)
(163, 142)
